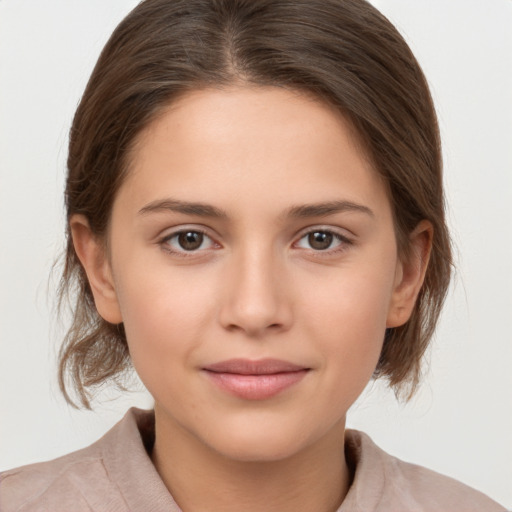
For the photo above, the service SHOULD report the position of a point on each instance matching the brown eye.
(320, 240)
(190, 240)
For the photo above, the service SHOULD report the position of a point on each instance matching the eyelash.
(164, 242)
(343, 242)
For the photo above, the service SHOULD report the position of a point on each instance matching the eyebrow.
(188, 208)
(301, 211)
(327, 208)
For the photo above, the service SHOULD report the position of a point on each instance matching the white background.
(461, 421)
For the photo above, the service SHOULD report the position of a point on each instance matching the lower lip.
(256, 387)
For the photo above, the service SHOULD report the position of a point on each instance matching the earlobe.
(410, 275)
(92, 254)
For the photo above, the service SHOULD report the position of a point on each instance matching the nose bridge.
(256, 299)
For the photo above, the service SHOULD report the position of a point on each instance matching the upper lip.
(250, 367)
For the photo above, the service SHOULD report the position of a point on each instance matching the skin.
(257, 287)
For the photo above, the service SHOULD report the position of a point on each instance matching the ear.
(410, 274)
(93, 255)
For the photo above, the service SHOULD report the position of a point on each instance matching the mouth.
(255, 380)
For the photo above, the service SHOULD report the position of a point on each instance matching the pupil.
(190, 240)
(320, 240)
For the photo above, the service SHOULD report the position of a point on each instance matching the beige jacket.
(116, 474)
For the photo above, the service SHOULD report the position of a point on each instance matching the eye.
(188, 240)
(322, 240)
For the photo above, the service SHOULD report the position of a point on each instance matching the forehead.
(248, 141)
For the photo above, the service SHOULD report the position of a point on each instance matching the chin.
(264, 441)
(260, 448)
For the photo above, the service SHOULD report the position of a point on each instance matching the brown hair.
(343, 52)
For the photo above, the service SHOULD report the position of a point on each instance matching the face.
(253, 262)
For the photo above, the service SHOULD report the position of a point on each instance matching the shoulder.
(395, 485)
(53, 485)
(113, 474)
(418, 485)
(85, 480)
(77, 482)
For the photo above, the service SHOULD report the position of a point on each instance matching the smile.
(255, 380)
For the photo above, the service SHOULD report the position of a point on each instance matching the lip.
(255, 380)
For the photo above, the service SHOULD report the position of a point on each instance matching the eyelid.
(163, 239)
(339, 233)
(344, 239)
(335, 230)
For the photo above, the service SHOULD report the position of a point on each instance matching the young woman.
(256, 224)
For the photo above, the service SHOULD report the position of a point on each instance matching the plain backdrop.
(460, 423)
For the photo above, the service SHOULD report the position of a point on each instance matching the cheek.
(348, 320)
(164, 314)
(353, 304)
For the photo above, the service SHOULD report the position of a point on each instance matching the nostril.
(254, 330)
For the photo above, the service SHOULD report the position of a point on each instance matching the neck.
(201, 479)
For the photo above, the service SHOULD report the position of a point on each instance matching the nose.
(256, 300)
